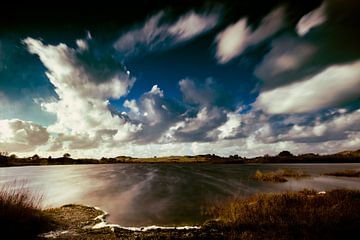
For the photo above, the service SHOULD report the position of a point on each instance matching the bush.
(20, 213)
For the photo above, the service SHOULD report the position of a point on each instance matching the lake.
(162, 194)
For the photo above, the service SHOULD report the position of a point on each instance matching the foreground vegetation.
(8, 160)
(280, 175)
(345, 173)
(20, 213)
(291, 215)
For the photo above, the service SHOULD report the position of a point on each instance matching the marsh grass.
(20, 213)
(279, 175)
(345, 173)
(291, 215)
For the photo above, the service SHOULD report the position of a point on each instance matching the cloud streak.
(157, 34)
(311, 20)
(236, 38)
(331, 87)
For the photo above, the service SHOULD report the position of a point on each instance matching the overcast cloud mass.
(186, 78)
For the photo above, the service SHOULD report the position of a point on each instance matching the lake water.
(162, 194)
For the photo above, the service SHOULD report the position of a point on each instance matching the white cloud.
(132, 105)
(192, 24)
(199, 127)
(21, 136)
(155, 34)
(233, 41)
(311, 20)
(332, 86)
(336, 127)
(230, 127)
(82, 108)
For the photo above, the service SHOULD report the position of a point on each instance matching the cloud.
(234, 40)
(21, 136)
(198, 127)
(156, 112)
(209, 93)
(84, 82)
(230, 128)
(311, 20)
(331, 87)
(156, 34)
(336, 128)
(281, 64)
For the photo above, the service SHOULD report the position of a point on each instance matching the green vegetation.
(20, 213)
(279, 175)
(345, 173)
(292, 215)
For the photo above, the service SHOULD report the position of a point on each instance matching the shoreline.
(262, 216)
(90, 223)
(284, 157)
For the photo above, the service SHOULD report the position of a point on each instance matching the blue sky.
(173, 79)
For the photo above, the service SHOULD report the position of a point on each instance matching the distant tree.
(4, 153)
(13, 156)
(285, 154)
(35, 157)
(67, 155)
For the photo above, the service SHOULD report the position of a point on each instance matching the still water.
(162, 194)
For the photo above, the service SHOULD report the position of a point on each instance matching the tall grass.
(279, 175)
(20, 213)
(291, 215)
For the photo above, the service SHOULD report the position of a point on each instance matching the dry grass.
(20, 213)
(299, 215)
(279, 175)
(345, 173)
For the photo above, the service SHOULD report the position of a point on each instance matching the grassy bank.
(20, 213)
(291, 215)
(280, 175)
(345, 173)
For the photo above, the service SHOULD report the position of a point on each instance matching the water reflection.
(139, 195)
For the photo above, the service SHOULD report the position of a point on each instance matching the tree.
(285, 154)
(35, 157)
(67, 155)
(4, 153)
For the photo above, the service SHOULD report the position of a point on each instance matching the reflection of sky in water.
(138, 195)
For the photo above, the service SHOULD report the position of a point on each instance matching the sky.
(160, 78)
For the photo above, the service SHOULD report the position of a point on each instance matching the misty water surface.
(166, 194)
